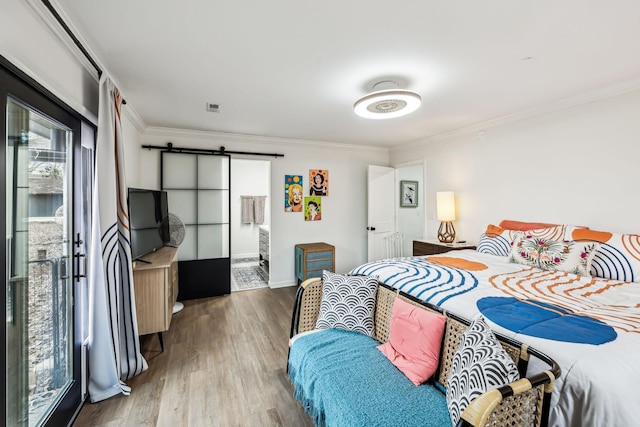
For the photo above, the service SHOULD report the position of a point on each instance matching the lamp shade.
(445, 206)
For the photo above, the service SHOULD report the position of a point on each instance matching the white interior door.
(381, 209)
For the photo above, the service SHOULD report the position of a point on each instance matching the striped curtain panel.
(114, 347)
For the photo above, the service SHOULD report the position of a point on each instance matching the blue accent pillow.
(497, 240)
(496, 245)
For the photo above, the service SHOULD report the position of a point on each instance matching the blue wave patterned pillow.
(496, 240)
(480, 364)
(348, 302)
(498, 245)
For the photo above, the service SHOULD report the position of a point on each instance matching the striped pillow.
(618, 256)
(348, 303)
(479, 364)
(496, 240)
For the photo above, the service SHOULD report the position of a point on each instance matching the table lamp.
(446, 209)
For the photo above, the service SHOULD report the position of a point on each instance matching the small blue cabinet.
(312, 258)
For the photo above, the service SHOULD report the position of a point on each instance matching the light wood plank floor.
(224, 364)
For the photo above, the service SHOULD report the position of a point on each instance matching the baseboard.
(274, 285)
(250, 255)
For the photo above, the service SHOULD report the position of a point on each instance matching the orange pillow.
(523, 226)
(494, 230)
(415, 336)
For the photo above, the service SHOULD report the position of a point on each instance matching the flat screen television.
(148, 220)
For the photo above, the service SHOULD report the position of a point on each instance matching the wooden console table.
(156, 288)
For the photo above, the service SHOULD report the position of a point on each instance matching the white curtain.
(114, 346)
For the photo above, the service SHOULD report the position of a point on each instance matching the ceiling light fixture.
(387, 101)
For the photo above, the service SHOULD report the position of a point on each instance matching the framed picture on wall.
(293, 193)
(313, 208)
(408, 194)
(318, 182)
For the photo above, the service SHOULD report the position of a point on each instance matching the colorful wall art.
(312, 208)
(318, 182)
(293, 193)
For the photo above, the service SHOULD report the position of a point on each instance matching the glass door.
(198, 191)
(42, 375)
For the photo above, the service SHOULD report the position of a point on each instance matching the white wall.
(132, 141)
(344, 213)
(248, 178)
(578, 165)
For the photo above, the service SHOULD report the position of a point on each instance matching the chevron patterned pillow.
(480, 364)
(348, 302)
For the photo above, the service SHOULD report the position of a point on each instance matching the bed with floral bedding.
(571, 292)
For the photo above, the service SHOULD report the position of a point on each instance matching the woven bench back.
(310, 307)
(452, 334)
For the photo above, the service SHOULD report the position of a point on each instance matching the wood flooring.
(224, 364)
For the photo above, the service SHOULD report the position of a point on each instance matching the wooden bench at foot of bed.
(342, 379)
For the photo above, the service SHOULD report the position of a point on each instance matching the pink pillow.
(415, 336)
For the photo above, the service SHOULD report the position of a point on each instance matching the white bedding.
(590, 326)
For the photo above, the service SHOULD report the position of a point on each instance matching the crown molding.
(66, 40)
(540, 110)
(247, 138)
(134, 118)
(62, 35)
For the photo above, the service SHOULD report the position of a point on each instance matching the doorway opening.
(393, 224)
(250, 233)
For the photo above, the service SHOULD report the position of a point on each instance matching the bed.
(584, 313)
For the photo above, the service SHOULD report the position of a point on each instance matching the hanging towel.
(258, 209)
(247, 209)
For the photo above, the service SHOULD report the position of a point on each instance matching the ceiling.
(294, 68)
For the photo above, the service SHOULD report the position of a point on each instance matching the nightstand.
(432, 247)
(312, 258)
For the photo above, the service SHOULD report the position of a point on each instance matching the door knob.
(371, 228)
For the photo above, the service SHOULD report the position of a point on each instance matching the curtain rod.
(222, 150)
(75, 40)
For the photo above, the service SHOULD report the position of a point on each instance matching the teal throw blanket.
(343, 380)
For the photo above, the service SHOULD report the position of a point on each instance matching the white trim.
(411, 163)
(133, 116)
(66, 40)
(247, 255)
(237, 137)
(62, 35)
(284, 284)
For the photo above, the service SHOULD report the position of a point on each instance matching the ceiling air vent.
(213, 108)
